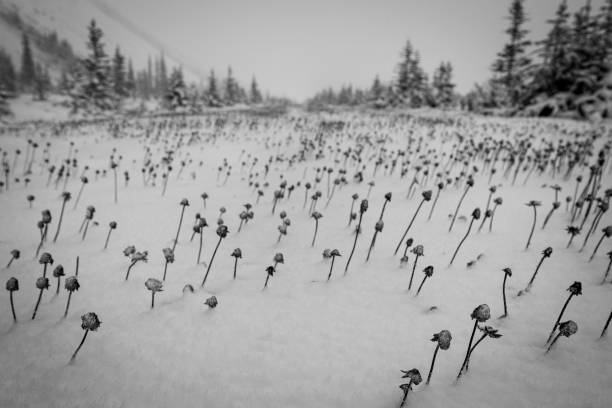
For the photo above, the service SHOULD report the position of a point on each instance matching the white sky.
(296, 48)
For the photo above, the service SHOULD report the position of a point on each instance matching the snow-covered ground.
(302, 342)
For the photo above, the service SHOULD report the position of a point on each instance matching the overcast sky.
(295, 48)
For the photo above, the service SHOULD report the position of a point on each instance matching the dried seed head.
(154, 285)
(58, 271)
(42, 283)
(12, 284)
(211, 302)
(482, 313)
(90, 321)
(71, 284)
(443, 339)
(568, 328)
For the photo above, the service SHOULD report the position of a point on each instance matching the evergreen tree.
(255, 96)
(119, 75)
(148, 83)
(404, 82)
(42, 82)
(163, 81)
(176, 94)
(512, 62)
(377, 90)
(130, 81)
(28, 68)
(212, 91)
(230, 93)
(95, 82)
(442, 84)
(8, 77)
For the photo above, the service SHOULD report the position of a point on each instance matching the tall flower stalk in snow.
(545, 254)
(426, 196)
(415, 378)
(269, 272)
(480, 315)
(65, 198)
(333, 254)
(605, 329)
(42, 283)
(237, 254)
(469, 184)
(487, 331)
(507, 273)
(566, 329)
(71, 284)
(12, 285)
(15, 254)
(533, 204)
(575, 290)
(608, 268)
(442, 340)
(428, 271)
(222, 232)
(418, 251)
(184, 203)
(572, 231)
(154, 285)
(134, 258)
(316, 215)
(607, 233)
(168, 258)
(89, 322)
(354, 197)
(199, 229)
(111, 226)
(58, 272)
(433, 206)
(363, 207)
(475, 216)
(498, 201)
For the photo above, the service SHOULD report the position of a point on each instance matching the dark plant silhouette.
(12, 285)
(487, 331)
(603, 332)
(498, 201)
(433, 205)
(480, 315)
(65, 198)
(566, 329)
(607, 233)
(418, 251)
(58, 272)
(572, 231)
(168, 258)
(237, 254)
(545, 254)
(71, 284)
(442, 340)
(507, 273)
(269, 272)
(355, 197)
(42, 283)
(575, 290)
(316, 215)
(415, 378)
(333, 254)
(111, 226)
(428, 271)
(134, 258)
(426, 196)
(154, 285)
(608, 268)
(468, 184)
(222, 232)
(475, 216)
(533, 204)
(15, 254)
(363, 207)
(89, 322)
(184, 203)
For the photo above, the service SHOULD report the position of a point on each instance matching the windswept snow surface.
(302, 342)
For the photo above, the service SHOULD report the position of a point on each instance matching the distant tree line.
(411, 87)
(99, 81)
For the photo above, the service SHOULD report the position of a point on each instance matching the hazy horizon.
(298, 48)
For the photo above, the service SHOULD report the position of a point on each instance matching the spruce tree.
(212, 91)
(512, 62)
(8, 78)
(130, 81)
(255, 96)
(42, 82)
(95, 82)
(119, 75)
(230, 92)
(28, 68)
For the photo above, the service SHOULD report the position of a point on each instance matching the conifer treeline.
(100, 81)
